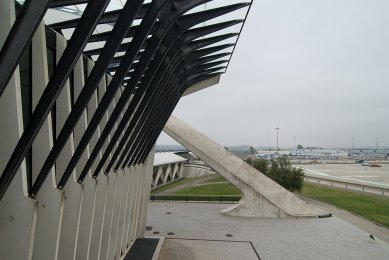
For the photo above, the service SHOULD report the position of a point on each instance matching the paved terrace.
(201, 232)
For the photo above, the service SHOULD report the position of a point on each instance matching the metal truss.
(163, 55)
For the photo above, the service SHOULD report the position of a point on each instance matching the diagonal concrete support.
(261, 196)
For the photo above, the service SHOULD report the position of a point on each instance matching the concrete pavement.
(285, 238)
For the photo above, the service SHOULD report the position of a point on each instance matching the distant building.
(266, 156)
(369, 153)
(318, 153)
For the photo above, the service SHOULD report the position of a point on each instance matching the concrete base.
(261, 196)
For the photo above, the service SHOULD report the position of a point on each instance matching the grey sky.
(319, 70)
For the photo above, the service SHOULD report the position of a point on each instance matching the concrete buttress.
(261, 196)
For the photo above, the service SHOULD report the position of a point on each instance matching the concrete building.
(369, 153)
(168, 167)
(85, 90)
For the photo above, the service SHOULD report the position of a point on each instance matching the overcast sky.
(318, 70)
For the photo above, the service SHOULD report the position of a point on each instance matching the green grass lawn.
(373, 207)
(217, 178)
(174, 184)
(211, 189)
(177, 183)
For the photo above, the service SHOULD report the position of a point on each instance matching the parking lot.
(367, 174)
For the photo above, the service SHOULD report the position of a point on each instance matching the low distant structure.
(319, 153)
(167, 167)
(172, 166)
(370, 153)
(267, 156)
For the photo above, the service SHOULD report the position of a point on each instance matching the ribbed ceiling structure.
(154, 49)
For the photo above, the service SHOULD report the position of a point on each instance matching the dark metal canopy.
(155, 49)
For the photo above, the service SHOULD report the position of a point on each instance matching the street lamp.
(294, 142)
(277, 128)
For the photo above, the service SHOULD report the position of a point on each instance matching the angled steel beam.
(118, 32)
(183, 24)
(158, 129)
(190, 20)
(19, 37)
(144, 29)
(123, 47)
(63, 69)
(240, 31)
(172, 13)
(126, 117)
(154, 119)
(198, 32)
(108, 17)
(61, 3)
(193, 33)
(163, 80)
(160, 81)
(98, 37)
(136, 149)
(115, 67)
(119, 59)
(164, 114)
(137, 134)
(202, 51)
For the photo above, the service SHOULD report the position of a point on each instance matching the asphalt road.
(373, 175)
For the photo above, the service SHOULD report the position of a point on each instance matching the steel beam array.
(164, 53)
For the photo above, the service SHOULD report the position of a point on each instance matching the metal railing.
(348, 184)
(191, 198)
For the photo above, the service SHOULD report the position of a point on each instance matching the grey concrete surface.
(285, 238)
(368, 226)
(179, 249)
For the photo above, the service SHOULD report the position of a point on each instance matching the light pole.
(277, 128)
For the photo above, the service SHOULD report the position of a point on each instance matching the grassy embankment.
(211, 189)
(203, 192)
(172, 185)
(373, 207)
(178, 183)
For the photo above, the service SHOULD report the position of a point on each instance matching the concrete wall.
(166, 173)
(193, 171)
(97, 219)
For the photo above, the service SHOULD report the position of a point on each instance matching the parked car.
(375, 165)
(360, 161)
(365, 164)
